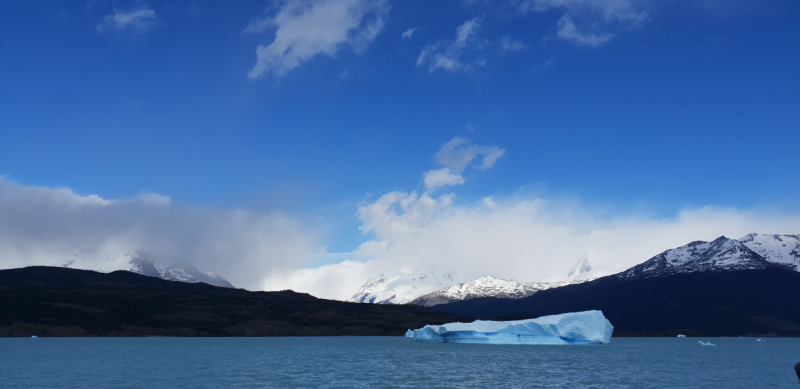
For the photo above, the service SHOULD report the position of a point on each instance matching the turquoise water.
(345, 362)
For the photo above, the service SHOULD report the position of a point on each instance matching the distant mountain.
(752, 252)
(488, 286)
(144, 264)
(400, 289)
(718, 288)
(57, 301)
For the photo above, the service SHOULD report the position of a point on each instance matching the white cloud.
(442, 177)
(507, 45)
(408, 33)
(591, 22)
(139, 20)
(523, 239)
(51, 226)
(446, 54)
(458, 153)
(304, 29)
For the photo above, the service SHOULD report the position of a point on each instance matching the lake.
(345, 362)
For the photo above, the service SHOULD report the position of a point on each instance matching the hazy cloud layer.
(304, 29)
(52, 226)
(139, 20)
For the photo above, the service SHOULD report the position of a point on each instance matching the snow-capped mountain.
(142, 263)
(488, 286)
(722, 254)
(401, 289)
(482, 287)
(778, 249)
(587, 270)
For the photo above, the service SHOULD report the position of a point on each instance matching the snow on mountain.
(719, 255)
(778, 249)
(488, 286)
(482, 287)
(587, 270)
(144, 264)
(400, 289)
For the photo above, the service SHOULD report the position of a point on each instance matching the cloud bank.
(516, 237)
(304, 29)
(53, 226)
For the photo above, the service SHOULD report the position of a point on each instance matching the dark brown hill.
(51, 301)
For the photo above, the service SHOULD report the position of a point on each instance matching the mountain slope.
(51, 301)
(722, 254)
(144, 264)
(778, 249)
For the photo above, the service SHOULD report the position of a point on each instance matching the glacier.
(589, 327)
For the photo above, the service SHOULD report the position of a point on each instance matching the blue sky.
(622, 106)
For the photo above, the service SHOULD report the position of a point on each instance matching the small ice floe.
(759, 340)
(409, 333)
(681, 335)
(34, 337)
(706, 343)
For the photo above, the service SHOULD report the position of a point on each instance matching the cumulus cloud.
(408, 33)
(306, 28)
(447, 54)
(139, 20)
(591, 22)
(53, 226)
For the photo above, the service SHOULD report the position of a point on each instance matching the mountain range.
(753, 251)
(726, 287)
(175, 270)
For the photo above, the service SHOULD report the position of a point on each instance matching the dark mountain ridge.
(717, 288)
(51, 301)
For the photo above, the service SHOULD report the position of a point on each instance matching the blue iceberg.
(589, 327)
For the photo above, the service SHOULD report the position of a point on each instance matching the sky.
(313, 144)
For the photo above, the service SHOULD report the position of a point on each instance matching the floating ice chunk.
(589, 327)
(681, 335)
(706, 343)
(410, 333)
(34, 337)
(758, 340)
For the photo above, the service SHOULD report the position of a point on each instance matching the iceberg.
(706, 343)
(410, 333)
(589, 327)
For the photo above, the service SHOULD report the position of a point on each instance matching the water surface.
(345, 362)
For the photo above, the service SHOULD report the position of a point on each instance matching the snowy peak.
(719, 255)
(400, 289)
(144, 264)
(778, 249)
(486, 286)
(587, 270)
